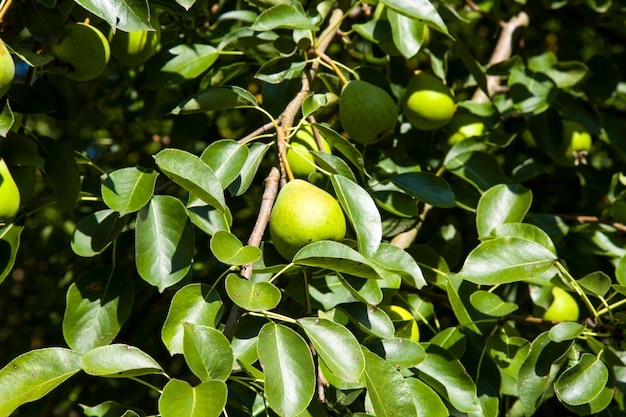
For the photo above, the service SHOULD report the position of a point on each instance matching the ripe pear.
(428, 102)
(563, 308)
(299, 153)
(464, 126)
(136, 47)
(9, 194)
(367, 113)
(303, 214)
(7, 69)
(83, 51)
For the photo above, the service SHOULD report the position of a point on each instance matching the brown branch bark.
(502, 52)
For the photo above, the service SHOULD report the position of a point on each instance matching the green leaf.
(426, 187)
(363, 289)
(397, 260)
(109, 409)
(396, 203)
(61, 172)
(256, 152)
(279, 69)
(193, 174)
(228, 249)
(252, 296)
(226, 158)
(209, 219)
(361, 211)
(419, 10)
(408, 33)
(567, 330)
(525, 231)
(503, 260)
(503, 203)
(426, 400)
(34, 374)
(192, 304)
(539, 370)
(283, 16)
(582, 382)
(341, 144)
(164, 242)
(317, 102)
(480, 169)
(207, 352)
(126, 15)
(532, 93)
(507, 352)
(491, 304)
(179, 399)
(387, 389)
(217, 98)
(346, 363)
(288, 367)
(597, 283)
(333, 164)
(446, 375)
(119, 361)
(126, 190)
(9, 245)
(95, 232)
(336, 257)
(370, 319)
(470, 62)
(190, 61)
(97, 305)
(6, 119)
(399, 352)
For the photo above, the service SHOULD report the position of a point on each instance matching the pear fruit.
(463, 126)
(404, 322)
(428, 102)
(563, 308)
(299, 152)
(576, 144)
(367, 113)
(303, 214)
(9, 194)
(136, 47)
(7, 69)
(83, 51)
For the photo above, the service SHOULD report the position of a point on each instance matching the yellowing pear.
(303, 214)
(7, 69)
(563, 308)
(299, 152)
(367, 113)
(428, 102)
(403, 320)
(9, 194)
(136, 47)
(83, 51)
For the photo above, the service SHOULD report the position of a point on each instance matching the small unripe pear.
(367, 113)
(9, 194)
(463, 126)
(136, 47)
(428, 102)
(576, 143)
(7, 69)
(83, 51)
(299, 152)
(303, 214)
(563, 308)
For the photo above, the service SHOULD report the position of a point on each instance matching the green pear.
(83, 52)
(428, 102)
(303, 214)
(299, 152)
(463, 126)
(136, 47)
(367, 113)
(576, 144)
(9, 194)
(563, 308)
(7, 69)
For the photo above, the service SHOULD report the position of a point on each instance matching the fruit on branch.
(463, 126)
(576, 143)
(7, 69)
(563, 307)
(428, 102)
(136, 47)
(303, 214)
(83, 52)
(368, 114)
(299, 152)
(403, 320)
(9, 194)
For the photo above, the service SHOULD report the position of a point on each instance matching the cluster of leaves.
(171, 284)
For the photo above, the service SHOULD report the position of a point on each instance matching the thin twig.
(267, 127)
(592, 219)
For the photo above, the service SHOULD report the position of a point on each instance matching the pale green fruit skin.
(303, 214)
(563, 307)
(575, 145)
(83, 50)
(135, 48)
(428, 102)
(367, 113)
(300, 159)
(7, 69)
(464, 126)
(9, 194)
(404, 321)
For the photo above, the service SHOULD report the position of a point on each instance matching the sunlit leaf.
(126, 190)
(119, 361)
(228, 249)
(179, 399)
(9, 245)
(207, 352)
(252, 296)
(502, 204)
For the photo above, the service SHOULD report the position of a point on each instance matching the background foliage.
(138, 280)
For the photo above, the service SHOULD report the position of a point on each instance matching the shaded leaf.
(213, 99)
(426, 187)
(426, 400)
(408, 33)
(9, 245)
(480, 169)
(61, 172)
(95, 232)
(508, 352)
(399, 352)
(256, 152)
(370, 319)
(126, 15)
